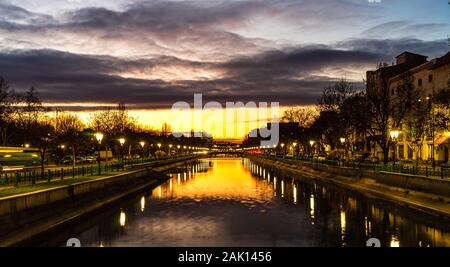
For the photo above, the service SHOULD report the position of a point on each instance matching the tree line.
(24, 119)
(344, 111)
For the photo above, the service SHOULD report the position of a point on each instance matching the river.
(233, 202)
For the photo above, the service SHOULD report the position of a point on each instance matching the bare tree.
(166, 129)
(68, 130)
(333, 121)
(304, 116)
(31, 112)
(379, 110)
(417, 126)
(8, 109)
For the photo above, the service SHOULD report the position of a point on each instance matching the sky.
(81, 54)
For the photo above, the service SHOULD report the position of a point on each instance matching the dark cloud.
(10, 14)
(405, 28)
(287, 76)
(392, 47)
(153, 53)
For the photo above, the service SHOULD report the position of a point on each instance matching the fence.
(443, 173)
(31, 177)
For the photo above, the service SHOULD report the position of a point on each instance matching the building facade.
(429, 77)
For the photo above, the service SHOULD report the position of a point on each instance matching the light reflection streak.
(142, 203)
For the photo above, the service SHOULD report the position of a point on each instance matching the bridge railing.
(31, 177)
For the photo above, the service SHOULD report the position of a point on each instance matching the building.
(429, 77)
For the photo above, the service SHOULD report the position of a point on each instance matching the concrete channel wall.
(15, 204)
(404, 181)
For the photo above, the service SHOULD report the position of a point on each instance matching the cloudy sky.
(151, 54)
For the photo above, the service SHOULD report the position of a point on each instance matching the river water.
(233, 202)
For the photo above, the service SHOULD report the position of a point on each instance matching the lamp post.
(170, 148)
(99, 138)
(342, 140)
(294, 151)
(394, 136)
(282, 148)
(122, 142)
(433, 123)
(142, 143)
(312, 145)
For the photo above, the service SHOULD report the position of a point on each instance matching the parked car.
(66, 160)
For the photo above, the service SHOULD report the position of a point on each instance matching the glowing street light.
(99, 138)
(394, 136)
(159, 145)
(122, 141)
(27, 145)
(342, 139)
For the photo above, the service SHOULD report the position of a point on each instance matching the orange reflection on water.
(230, 180)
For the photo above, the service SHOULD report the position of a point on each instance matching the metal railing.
(443, 173)
(31, 177)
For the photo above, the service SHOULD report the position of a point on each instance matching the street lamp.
(312, 145)
(142, 143)
(27, 145)
(122, 142)
(170, 148)
(99, 138)
(342, 140)
(394, 137)
(294, 152)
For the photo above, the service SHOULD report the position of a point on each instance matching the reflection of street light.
(394, 136)
(99, 138)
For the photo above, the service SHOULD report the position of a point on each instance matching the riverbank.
(26, 216)
(431, 196)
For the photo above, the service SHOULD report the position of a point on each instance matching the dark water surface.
(233, 202)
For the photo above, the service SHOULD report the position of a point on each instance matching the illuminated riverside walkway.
(234, 202)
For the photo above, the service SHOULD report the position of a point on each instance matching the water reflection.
(235, 202)
(122, 218)
(143, 203)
